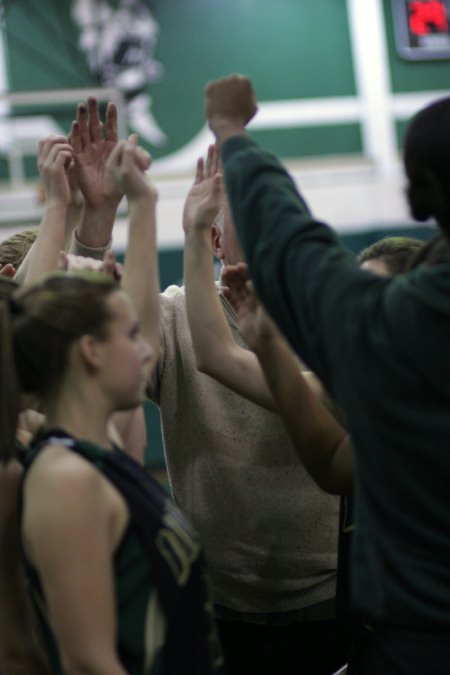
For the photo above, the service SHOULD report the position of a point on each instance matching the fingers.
(250, 287)
(82, 119)
(75, 263)
(95, 125)
(115, 157)
(129, 152)
(109, 262)
(109, 256)
(212, 161)
(217, 188)
(118, 271)
(63, 159)
(209, 168)
(126, 168)
(236, 277)
(199, 171)
(54, 170)
(243, 269)
(74, 137)
(143, 158)
(45, 146)
(88, 127)
(111, 123)
(62, 261)
(54, 151)
(60, 154)
(209, 159)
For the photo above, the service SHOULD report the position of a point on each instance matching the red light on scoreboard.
(427, 17)
(422, 28)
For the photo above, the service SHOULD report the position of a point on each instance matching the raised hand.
(93, 143)
(206, 194)
(230, 104)
(76, 196)
(254, 322)
(55, 157)
(125, 170)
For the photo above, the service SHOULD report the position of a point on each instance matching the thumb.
(62, 261)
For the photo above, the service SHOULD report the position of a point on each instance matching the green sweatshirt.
(380, 346)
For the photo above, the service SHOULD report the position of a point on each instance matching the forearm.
(43, 256)
(322, 395)
(216, 351)
(321, 443)
(96, 226)
(141, 271)
(211, 335)
(300, 271)
(73, 220)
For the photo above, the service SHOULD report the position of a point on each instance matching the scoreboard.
(422, 28)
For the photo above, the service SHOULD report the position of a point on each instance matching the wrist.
(75, 207)
(263, 342)
(147, 198)
(224, 128)
(198, 233)
(55, 204)
(96, 225)
(79, 247)
(106, 201)
(107, 207)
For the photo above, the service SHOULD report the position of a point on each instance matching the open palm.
(205, 196)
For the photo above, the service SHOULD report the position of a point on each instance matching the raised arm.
(216, 351)
(54, 159)
(76, 205)
(126, 168)
(321, 442)
(93, 142)
(230, 104)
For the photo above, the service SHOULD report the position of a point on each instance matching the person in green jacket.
(379, 345)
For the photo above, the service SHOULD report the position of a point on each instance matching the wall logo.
(119, 44)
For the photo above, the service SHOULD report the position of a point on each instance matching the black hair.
(427, 164)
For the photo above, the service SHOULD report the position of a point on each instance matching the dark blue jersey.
(163, 608)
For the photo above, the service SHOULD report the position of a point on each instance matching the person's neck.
(82, 414)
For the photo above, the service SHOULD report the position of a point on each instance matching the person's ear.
(216, 242)
(90, 352)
